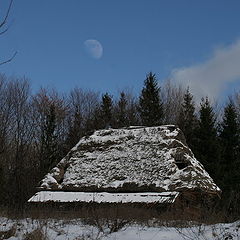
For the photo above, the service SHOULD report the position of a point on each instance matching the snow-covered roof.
(134, 159)
(104, 197)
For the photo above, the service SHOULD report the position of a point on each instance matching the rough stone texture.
(133, 159)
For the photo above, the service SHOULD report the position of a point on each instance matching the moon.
(93, 48)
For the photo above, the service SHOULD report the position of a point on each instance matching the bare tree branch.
(6, 16)
(9, 60)
(3, 31)
(2, 24)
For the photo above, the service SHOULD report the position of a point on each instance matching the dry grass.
(9, 233)
(115, 216)
(37, 234)
(90, 212)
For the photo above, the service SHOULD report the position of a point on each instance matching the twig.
(9, 60)
(7, 14)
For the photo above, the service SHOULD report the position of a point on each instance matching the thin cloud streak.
(211, 77)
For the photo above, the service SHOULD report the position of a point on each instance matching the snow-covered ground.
(78, 230)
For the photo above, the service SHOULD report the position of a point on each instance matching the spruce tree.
(187, 121)
(121, 111)
(106, 110)
(229, 136)
(49, 149)
(207, 146)
(2, 185)
(75, 129)
(150, 105)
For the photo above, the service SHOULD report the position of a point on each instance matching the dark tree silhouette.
(150, 105)
(207, 145)
(75, 129)
(187, 121)
(229, 136)
(49, 141)
(121, 111)
(106, 110)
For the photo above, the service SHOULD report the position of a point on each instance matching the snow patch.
(104, 197)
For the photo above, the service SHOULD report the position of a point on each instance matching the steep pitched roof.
(134, 159)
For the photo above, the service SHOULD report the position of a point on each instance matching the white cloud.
(211, 77)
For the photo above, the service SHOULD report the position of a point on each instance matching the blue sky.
(173, 38)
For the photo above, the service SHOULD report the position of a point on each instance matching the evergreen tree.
(229, 136)
(75, 129)
(206, 149)
(2, 185)
(121, 112)
(187, 121)
(150, 105)
(133, 114)
(49, 149)
(106, 110)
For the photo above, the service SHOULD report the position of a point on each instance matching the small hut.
(130, 165)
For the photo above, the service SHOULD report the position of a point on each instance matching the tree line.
(38, 129)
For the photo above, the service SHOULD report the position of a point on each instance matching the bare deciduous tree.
(172, 95)
(4, 28)
(50, 114)
(82, 107)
